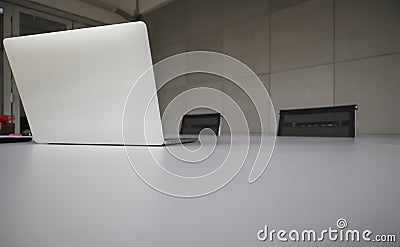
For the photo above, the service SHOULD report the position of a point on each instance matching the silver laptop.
(74, 86)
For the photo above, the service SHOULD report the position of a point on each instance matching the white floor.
(72, 195)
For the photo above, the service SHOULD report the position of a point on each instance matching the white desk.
(71, 195)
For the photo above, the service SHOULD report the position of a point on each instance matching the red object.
(4, 119)
(15, 135)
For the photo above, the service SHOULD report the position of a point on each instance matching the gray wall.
(307, 53)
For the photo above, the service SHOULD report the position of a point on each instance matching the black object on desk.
(14, 139)
(336, 121)
(193, 124)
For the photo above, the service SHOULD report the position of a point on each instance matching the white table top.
(81, 195)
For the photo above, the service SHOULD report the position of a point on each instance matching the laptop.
(74, 86)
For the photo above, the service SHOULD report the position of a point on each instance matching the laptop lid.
(74, 85)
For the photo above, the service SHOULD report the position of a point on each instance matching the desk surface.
(76, 195)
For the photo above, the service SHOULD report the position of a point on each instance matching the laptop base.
(171, 141)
